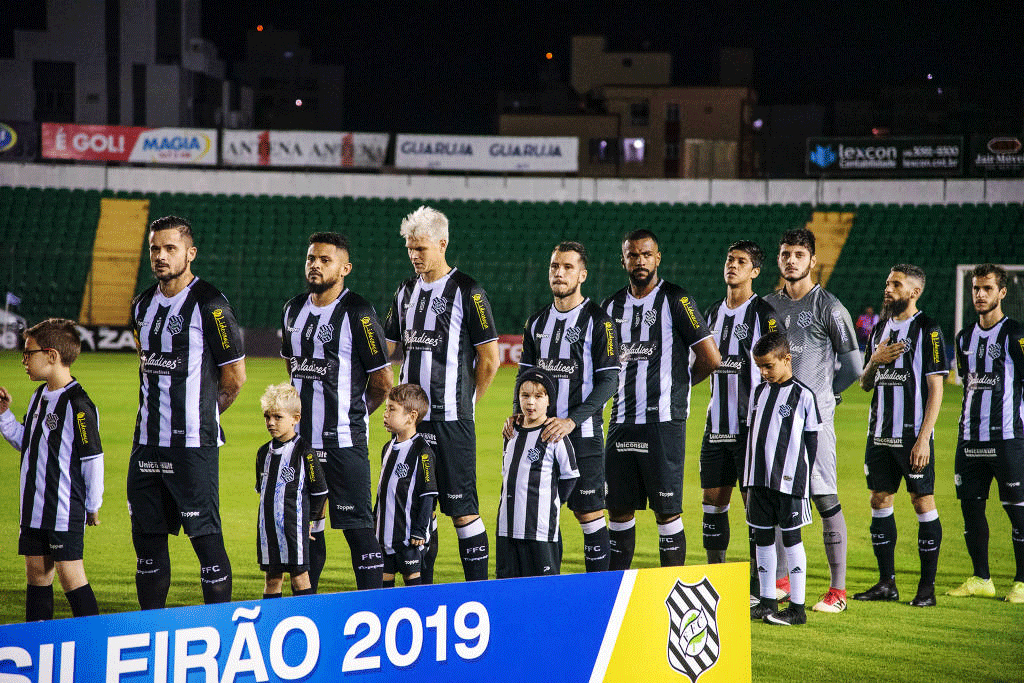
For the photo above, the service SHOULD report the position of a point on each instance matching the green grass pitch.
(960, 639)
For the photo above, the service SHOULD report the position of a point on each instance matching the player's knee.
(620, 516)
(464, 520)
(764, 537)
(922, 504)
(790, 537)
(880, 500)
(584, 517)
(827, 504)
(666, 519)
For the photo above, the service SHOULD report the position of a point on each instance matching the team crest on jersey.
(803, 320)
(402, 470)
(533, 455)
(741, 331)
(174, 324)
(785, 410)
(693, 641)
(908, 346)
(439, 305)
(52, 421)
(572, 335)
(994, 351)
(325, 333)
(650, 317)
(288, 474)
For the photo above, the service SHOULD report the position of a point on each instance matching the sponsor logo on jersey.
(837, 315)
(82, 431)
(731, 365)
(478, 301)
(693, 640)
(288, 474)
(425, 465)
(559, 368)
(980, 452)
(892, 442)
(650, 317)
(741, 331)
(174, 324)
(690, 312)
(533, 455)
(723, 438)
(402, 470)
(773, 325)
(785, 410)
(325, 333)
(52, 421)
(936, 347)
(994, 351)
(572, 335)
(312, 470)
(222, 328)
(159, 363)
(422, 340)
(890, 377)
(610, 339)
(315, 369)
(983, 381)
(805, 319)
(371, 338)
(632, 352)
(439, 305)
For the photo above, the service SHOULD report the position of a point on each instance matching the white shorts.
(823, 474)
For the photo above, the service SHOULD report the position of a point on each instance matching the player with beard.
(333, 345)
(990, 362)
(905, 366)
(191, 368)
(575, 342)
(820, 333)
(659, 324)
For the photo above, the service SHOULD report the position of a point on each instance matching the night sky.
(435, 67)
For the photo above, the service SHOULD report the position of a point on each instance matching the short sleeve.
(87, 428)
(933, 358)
(286, 339)
(604, 345)
(839, 327)
(392, 323)
(1015, 340)
(316, 482)
(427, 477)
(565, 457)
(222, 333)
(528, 358)
(368, 339)
(812, 418)
(478, 318)
(961, 360)
(261, 456)
(688, 321)
(769, 319)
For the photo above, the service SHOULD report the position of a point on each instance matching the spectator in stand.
(866, 322)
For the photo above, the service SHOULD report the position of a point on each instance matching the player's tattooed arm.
(232, 377)
(377, 387)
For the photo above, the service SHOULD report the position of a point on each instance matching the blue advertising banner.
(692, 621)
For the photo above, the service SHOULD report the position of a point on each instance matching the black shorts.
(767, 509)
(289, 569)
(517, 557)
(405, 561)
(62, 546)
(454, 444)
(174, 488)
(588, 494)
(977, 462)
(347, 471)
(887, 461)
(645, 463)
(721, 459)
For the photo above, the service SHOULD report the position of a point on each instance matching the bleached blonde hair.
(425, 222)
(283, 397)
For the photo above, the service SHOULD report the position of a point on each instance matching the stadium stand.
(252, 247)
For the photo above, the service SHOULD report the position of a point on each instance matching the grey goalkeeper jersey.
(819, 329)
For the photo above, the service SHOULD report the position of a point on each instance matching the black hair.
(751, 249)
(182, 225)
(333, 238)
(641, 234)
(771, 344)
(986, 269)
(910, 271)
(799, 237)
(573, 246)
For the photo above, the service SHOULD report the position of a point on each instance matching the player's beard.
(569, 291)
(315, 288)
(987, 309)
(798, 276)
(641, 282)
(891, 309)
(170, 274)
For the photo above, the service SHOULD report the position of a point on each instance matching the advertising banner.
(510, 348)
(675, 623)
(998, 156)
(480, 153)
(300, 148)
(191, 146)
(19, 141)
(885, 157)
(107, 338)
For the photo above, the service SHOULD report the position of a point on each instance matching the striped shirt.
(406, 493)
(183, 341)
(439, 324)
(331, 352)
(819, 330)
(991, 365)
(901, 387)
(736, 330)
(572, 347)
(656, 333)
(530, 470)
(61, 458)
(288, 479)
(782, 438)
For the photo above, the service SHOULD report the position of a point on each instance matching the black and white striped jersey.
(183, 341)
(572, 347)
(291, 485)
(655, 333)
(736, 330)
(782, 437)
(530, 470)
(901, 387)
(406, 493)
(819, 330)
(61, 458)
(439, 326)
(331, 352)
(991, 365)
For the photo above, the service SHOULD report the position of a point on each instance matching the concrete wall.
(592, 67)
(17, 97)
(516, 188)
